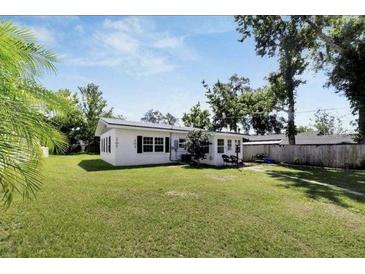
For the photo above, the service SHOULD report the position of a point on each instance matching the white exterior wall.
(106, 156)
(217, 157)
(176, 152)
(213, 158)
(124, 148)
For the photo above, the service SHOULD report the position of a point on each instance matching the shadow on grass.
(94, 165)
(209, 167)
(347, 180)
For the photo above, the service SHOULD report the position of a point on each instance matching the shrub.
(197, 144)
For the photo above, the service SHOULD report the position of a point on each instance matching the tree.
(156, 117)
(263, 124)
(118, 116)
(197, 144)
(197, 118)
(23, 108)
(93, 106)
(170, 119)
(153, 116)
(326, 124)
(224, 100)
(340, 49)
(258, 108)
(305, 129)
(236, 105)
(282, 37)
(72, 123)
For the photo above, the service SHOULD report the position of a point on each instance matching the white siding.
(106, 156)
(218, 160)
(126, 148)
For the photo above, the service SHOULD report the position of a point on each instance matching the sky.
(159, 62)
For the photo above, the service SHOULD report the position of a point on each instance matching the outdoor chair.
(236, 160)
(227, 159)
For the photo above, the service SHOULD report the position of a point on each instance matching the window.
(158, 144)
(220, 145)
(229, 144)
(147, 144)
(206, 147)
(109, 144)
(182, 143)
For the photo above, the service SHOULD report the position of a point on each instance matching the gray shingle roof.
(119, 122)
(135, 124)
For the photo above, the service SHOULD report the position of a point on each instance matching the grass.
(88, 208)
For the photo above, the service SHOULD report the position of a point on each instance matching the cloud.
(169, 42)
(43, 34)
(136, 46)
(119, 41)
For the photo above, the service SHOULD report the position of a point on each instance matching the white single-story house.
(127, 143)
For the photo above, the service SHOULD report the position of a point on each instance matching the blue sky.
(159, 62)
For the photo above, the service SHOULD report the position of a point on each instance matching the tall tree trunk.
(361, 122)
(88, 145)
(291, 124)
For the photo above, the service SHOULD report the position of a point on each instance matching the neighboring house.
(127, 143)
(311, 138)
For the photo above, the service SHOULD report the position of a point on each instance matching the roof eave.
(100, 127)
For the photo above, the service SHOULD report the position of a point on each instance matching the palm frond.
(24, 106)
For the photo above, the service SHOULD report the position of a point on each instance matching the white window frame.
(229, 144)
(220, 146)
(155, 144)
(182, 144)
(146, 144)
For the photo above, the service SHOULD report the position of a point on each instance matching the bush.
(197, 144)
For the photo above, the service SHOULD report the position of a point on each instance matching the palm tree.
(24, 105)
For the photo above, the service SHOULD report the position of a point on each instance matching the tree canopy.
(94, 107)
(285, 38)
(340, 50)
(156, 117)
(73, 123)
(197, 118)
(235, 106)
(224, 100)
(327, 124)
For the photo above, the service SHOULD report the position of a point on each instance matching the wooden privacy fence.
(340, 156)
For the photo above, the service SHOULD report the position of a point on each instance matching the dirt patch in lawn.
(183, 194)
(351, 219)
(256, 168)
(300, 209)
(221, 178)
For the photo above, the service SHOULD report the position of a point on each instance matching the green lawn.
(87, 208)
